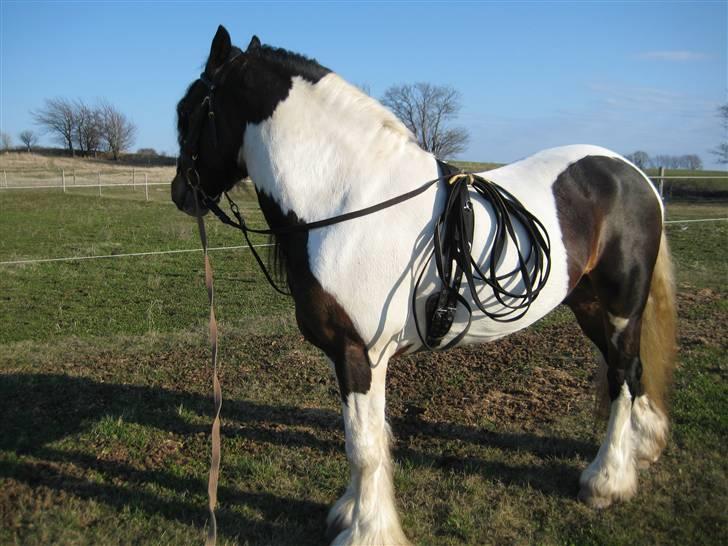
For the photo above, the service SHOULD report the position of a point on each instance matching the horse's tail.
(658, 347)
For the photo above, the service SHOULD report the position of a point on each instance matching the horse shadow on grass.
(38, 410)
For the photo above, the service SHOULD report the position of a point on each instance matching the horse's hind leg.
(585, 305)
(637, 424)
(366, 513)
(612, 475)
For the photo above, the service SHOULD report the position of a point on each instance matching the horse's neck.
(328, 149)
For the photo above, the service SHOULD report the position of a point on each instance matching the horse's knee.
(367, 432)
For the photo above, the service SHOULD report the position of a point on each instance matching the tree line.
(643, 160)
(426, 109)
(82, 128)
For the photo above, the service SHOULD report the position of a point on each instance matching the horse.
(317, 147)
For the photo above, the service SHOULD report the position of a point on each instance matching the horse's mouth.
(184, 197)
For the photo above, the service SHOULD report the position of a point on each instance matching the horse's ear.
(254, 43)
(219, 50)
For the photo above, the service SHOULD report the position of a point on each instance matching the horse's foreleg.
(366, 514)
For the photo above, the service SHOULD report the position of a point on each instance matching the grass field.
(105, 404)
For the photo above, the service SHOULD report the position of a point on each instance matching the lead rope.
(217, 391)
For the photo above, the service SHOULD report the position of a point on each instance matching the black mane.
(293, 64)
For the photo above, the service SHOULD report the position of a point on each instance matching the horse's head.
(210, 125)
(237, 88)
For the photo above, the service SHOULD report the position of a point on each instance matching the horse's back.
(575, 191)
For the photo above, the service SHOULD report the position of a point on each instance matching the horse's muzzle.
(184, 197)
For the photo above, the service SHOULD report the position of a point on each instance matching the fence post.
(63, 179)
(146, 186)
(133, 179)
(74, 177)
(5, 178)
(99, 179)
(662, 183)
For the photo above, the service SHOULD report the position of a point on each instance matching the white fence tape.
(237, 247)
(71, 186)
(129, 254)
(695, 220)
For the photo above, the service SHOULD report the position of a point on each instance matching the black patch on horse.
(615, 248)
(267, 78)
(321, 319)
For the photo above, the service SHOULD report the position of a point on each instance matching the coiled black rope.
(452, 253)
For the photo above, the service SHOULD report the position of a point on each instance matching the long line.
(71, 186)
(236, 247)
(677, 177)
(695, 220)
(151, 253)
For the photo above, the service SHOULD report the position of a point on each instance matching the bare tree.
(426, 109)
(692, 162)
(58, 117)
(639, 158)
(29, 139)
(721, 151)
(88, 128)
(117, 131)
(7, 141)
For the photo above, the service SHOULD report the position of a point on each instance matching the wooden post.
(63, 179)
(133, 180)
(99, 179)
(662, 183)
(5, 178)
(146, 186)
(74, 177)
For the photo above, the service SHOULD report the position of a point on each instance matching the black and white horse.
(316, 147)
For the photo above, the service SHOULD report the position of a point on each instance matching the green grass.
(105, 404)
(132, 296)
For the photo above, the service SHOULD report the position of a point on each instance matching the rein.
(214, 474)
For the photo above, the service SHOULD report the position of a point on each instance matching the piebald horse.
(316, 147)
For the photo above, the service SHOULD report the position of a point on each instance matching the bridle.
(206, 114)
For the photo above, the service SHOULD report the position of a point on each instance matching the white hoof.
(601, 487)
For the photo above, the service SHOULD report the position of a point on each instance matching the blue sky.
(626, 75)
